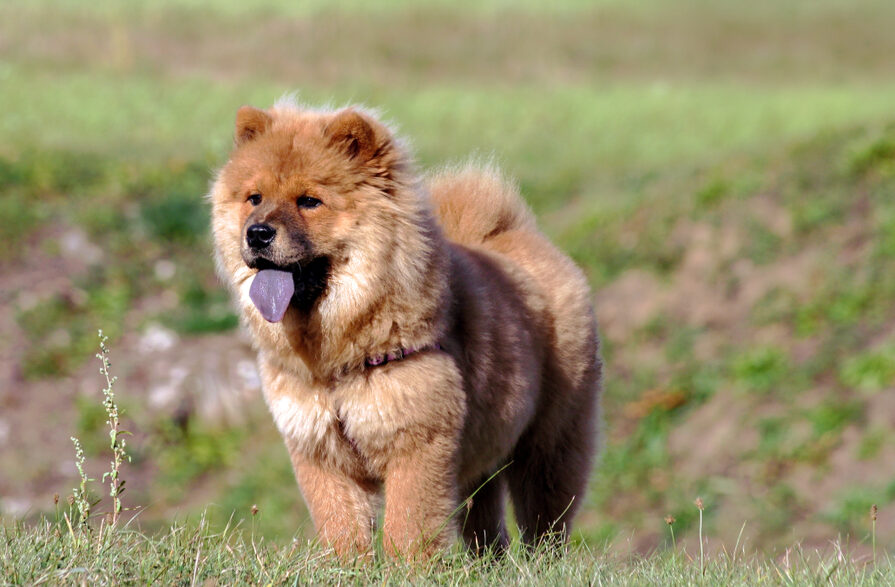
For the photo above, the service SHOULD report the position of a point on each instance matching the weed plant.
(80, 499)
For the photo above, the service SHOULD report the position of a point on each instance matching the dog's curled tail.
(475, 202)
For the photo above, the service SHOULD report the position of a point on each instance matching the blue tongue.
(271, 291)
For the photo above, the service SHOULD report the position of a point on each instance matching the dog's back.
(479, 209)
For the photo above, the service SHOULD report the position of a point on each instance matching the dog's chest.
(328, 426)
(368, 418)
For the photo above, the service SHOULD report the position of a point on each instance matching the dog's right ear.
(250, 123)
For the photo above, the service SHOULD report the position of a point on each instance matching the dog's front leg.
(420, 496)
(406, 420)
(341, 506)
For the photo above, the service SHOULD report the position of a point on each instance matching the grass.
(195, 554)
(583, 137)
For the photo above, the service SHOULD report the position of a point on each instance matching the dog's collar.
(380, 360)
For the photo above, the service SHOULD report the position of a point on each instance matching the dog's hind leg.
(483, 519)
(550, 468)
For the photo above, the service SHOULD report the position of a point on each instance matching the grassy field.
(198, 556)
(724, 173)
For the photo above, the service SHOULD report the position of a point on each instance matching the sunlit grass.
(194, 554)
(562, 142)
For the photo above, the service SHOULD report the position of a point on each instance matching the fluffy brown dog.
(413, 338)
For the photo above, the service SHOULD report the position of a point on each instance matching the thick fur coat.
(502, 369)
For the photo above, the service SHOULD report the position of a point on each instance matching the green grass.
(193, 554)
(870, 372)
(582, 138)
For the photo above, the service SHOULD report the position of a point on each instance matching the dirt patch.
(161, 375)
(629, 303)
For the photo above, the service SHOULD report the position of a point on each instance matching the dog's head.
(303, 190)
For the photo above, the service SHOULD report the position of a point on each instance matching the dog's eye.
(254, 199)
(307, 202)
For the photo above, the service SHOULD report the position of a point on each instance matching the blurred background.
(723, 171)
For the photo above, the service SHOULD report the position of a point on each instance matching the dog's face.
(299, 189)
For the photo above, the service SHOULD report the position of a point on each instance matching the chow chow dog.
(416, 337)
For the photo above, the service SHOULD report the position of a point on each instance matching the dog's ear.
(357, 135)
(250, 123)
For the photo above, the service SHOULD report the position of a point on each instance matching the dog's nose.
(260, 235)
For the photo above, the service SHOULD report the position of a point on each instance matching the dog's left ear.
(359, 136)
